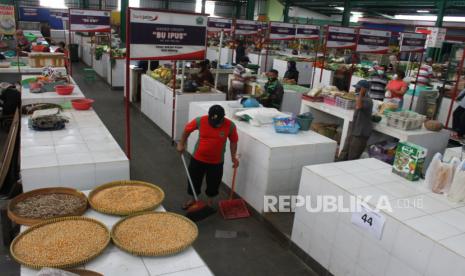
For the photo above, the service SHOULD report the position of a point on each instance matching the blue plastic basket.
(285, 125)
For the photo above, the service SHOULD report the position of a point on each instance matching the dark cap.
(362, 83)
(216, 115)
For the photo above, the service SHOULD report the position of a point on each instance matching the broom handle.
(233, 185)
(189, 177)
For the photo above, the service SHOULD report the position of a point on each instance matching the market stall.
(271, 163)
(157, 104)
(48, 97)
(114, 261)
(305, 68)
(432, 140)
(422, 235)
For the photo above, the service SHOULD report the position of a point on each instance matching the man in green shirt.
(274, 91)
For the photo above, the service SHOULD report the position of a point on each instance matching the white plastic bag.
(445, 176)
(315, 91)
(431, 172)
(457, 189)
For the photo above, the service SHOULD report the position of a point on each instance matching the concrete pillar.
(124, 6)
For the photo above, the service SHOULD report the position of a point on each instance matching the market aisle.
(255, 250)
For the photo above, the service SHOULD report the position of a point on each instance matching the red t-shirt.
(396, 85)
(212, 141)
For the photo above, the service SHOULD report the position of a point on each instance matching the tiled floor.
(256, 252)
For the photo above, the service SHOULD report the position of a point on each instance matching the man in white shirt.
(425, 73)
(239, 80)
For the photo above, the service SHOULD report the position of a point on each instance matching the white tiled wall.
(411, 244)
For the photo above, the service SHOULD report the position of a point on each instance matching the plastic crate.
(405, 120)
(345, 103)
(330, 100)
(285, 125)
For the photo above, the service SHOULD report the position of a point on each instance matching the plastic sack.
(445, 176)
(457, 189)
(432, 171)
(315, 91)
(261, 116)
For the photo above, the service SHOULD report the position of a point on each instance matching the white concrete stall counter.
(326, 79)
(83, 155)
(433, 141)
(157, 104)
(49, 97)
(270, 163)
(423, 235)
(265, 63)
(116, 262)
(305, 70)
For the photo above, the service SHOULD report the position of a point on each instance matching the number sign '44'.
(369, 220)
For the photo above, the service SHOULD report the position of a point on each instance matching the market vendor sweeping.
(362, 127)
(274, 91)
(208, 157)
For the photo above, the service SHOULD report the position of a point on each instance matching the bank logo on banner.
(373, 41)
(89, 20)
(167, 36)
(282, 31)
(307, 31)
(412, 42)
(341, 37)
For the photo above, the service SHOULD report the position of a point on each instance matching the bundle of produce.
(162, 74)
(47, 119)
(440, 175)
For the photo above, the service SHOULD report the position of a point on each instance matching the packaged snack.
(409, 160)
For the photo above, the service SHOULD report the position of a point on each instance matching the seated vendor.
(204, 76)
(292, 75)
(274, 91)
(22, 44)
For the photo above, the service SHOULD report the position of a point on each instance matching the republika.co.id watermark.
(330, 203)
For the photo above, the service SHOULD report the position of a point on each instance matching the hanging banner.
(307, 31)
(282, 31)
(166, 35)
(219, 24)
(33, 14)
(7, 20)
(412, 42)
(246, 27)
(341, 37)
(89, 20)
(373, 41)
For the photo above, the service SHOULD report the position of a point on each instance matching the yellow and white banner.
(7, 20)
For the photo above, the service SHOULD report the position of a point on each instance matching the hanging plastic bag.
(445, 176)
(432, 171)
(457, 189)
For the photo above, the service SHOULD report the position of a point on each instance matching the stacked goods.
(406, 120)
(162, 74)
(346, 101)
(409, 161)
(39, 60)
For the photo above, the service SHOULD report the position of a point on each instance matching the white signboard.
(282, 31)
(341, 37)
(369, 220)
(167, 35)
(89, 20)
(412, 42)
(247, 27)
(373, 41)
(219, 24)
(436, 37)
(307, 31)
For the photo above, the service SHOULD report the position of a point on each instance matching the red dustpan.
(233, 208)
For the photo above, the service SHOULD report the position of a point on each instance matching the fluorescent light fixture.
(429, 18)
(339, 8)
(423, 11)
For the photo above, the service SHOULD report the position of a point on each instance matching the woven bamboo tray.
(45, 191)
(176, 226)
(113, 209)
(68, 264)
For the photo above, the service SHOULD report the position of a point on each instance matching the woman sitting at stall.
(22, 44)
(396, 88)
(292, 75)
(204, 76)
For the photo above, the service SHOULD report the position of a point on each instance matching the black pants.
(353, 148)
(212, 172)
(458, 122)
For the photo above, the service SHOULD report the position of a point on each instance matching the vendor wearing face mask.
(397, 87)
(208, 157)
(378, 81)
(274, 91)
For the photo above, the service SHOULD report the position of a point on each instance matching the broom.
(199, 210)
(233, 208)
